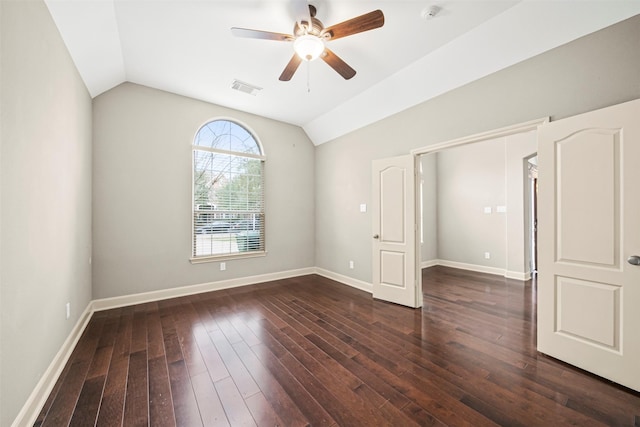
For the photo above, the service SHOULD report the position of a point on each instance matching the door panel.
(588, 170)
(396, 276)
(600, 300)
(589, 216)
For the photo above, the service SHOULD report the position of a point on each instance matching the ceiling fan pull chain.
(308, 76)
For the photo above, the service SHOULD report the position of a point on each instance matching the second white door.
(396, 274)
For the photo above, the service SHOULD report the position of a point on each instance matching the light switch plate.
(487, 209)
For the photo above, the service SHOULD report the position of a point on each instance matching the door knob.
(375, 236)
(634, 260)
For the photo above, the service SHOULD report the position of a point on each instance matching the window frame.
(262, 158)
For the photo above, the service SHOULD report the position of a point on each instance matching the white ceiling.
(186, 47)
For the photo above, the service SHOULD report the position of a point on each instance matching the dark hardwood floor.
(310, 351)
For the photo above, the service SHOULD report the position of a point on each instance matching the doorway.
(488, 229)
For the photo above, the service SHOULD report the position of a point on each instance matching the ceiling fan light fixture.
(308, 47)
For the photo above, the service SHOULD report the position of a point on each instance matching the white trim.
(429, 263)
(38, 397)
(472, 267)
(345, 280)
(225, 257)
(516, 275)
(483, 136)
(122, 301)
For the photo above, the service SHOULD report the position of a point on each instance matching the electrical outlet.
(363, 207)
(223, 266)
(351, 265)
(487, 209)
(487, 255)
(68, 308)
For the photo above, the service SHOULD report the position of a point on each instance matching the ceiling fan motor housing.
(315, 29)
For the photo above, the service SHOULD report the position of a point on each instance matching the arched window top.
(229, 136)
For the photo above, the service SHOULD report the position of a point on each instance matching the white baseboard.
(517, 275)
(429, 263)
(345, 280)
(115, 302)
(472, 267)
(34, 404)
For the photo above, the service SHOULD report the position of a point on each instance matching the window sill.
(216, 258)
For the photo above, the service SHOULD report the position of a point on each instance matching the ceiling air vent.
(245, 87)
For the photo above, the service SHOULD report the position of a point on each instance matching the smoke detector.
(430, 12)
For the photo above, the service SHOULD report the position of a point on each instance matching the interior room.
(476, 206)
(100, 106)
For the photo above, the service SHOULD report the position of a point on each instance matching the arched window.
(228, 192)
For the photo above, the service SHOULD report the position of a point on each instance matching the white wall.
(45, 211)
(592, 72)
(142, 193)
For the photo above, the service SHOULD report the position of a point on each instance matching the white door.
(588, 235)
(396, 275)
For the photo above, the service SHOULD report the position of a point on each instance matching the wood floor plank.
(238, 372)
(310, 351)
(312, 410)
(185, 405)
(113, 397)
(66, 399)
(212, 360)
(161, 410)
(262, 412)
(233, 403)
(86, 409)
(270, 388)
(136, 405)
(211, 409)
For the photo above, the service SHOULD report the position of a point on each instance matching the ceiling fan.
(310, 37)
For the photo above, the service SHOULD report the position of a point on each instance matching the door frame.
(479, 137)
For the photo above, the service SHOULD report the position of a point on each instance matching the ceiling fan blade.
(258, 34)
(338, 64)
(291, 68)
(366, 22)
(301, 11)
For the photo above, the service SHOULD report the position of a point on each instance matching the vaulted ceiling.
(186, 47)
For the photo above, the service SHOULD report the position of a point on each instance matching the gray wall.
(142, 193)
(429, 207)
(471, 178)
(45, 181)
(595, 71)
